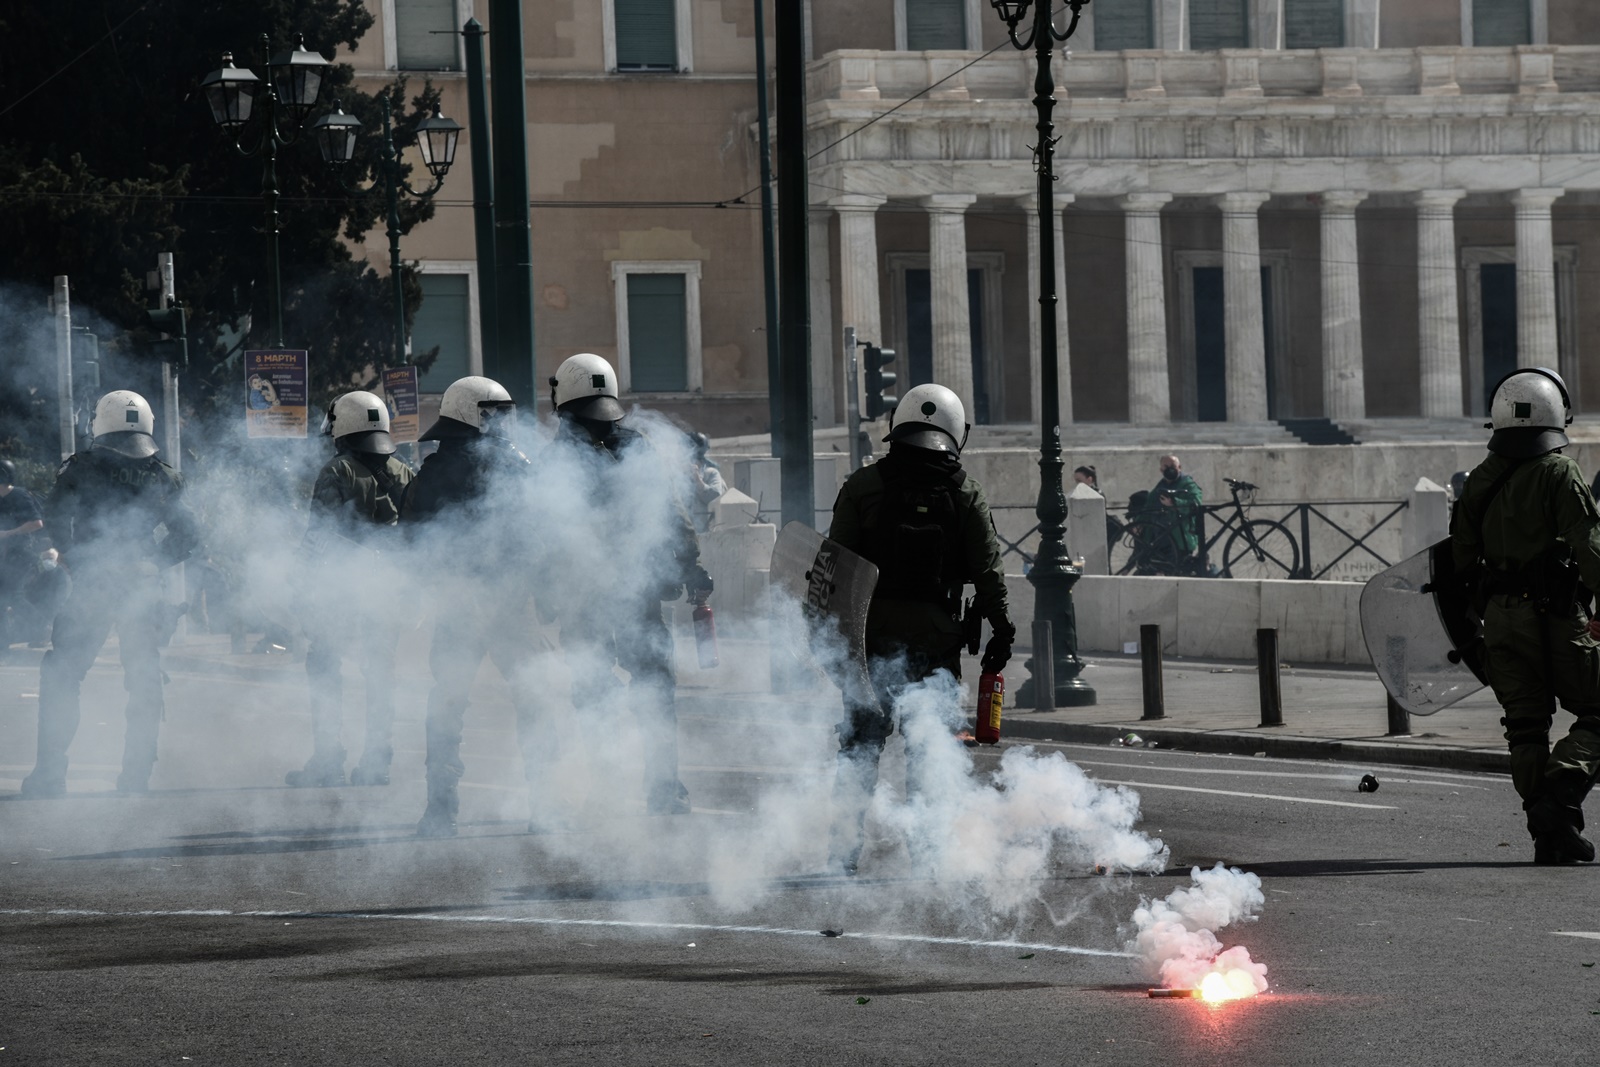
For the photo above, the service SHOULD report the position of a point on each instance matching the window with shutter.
(425, 35)
(1217, 24)
(936, 24)
(658, 336)
(442, 321)
(1501, 22)
(647, 34)
(1120, 24)
(1313, 24)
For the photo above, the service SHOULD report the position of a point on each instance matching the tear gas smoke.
(1176, 939)
(545, 549)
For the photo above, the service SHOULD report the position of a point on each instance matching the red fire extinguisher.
(991, 695)
(705, 636)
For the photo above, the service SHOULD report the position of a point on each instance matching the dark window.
(658, 333)
(1217, 24)
(647, 34)
(1501, 22)
(443, 322)
(425, 34)
(1120, 24)
(1210, 346)
(982, 395)
(919, 328)
(1497, 289)
(935, 24)
(1313, 24)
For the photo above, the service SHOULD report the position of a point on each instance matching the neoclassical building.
(1266, 208)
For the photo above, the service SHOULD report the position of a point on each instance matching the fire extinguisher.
(705, 635)
(991, 695)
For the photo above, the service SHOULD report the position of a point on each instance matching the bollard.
(1044, 666)
(1155, 699)
(1399, 719)
(1267, 675)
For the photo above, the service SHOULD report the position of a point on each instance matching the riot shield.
(820, 594)
(1424, 632)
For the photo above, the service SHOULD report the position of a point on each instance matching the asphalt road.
(225, 919)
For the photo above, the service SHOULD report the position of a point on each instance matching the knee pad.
(1526, 730)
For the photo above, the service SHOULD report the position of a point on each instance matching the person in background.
(20, 522)
(117, 513)
(1181, 493)
(355, 507)
(708, 482)
(1114, 527)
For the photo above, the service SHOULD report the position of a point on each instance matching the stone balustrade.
(1245, 73)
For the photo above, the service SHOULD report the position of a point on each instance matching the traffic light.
(879, 381)
(173, 322)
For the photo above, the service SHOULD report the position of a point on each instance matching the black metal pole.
(269, 196)
(769, 241)
(1268, 677)
(513, 224)
(390, 169)
(1399, 719)
(1053, 574)
(794, 308)
(1043, 667)
(483, 198)
(1155, 697)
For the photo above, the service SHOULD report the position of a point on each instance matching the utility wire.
(74, 60)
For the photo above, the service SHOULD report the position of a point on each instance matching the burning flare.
(1175, 935)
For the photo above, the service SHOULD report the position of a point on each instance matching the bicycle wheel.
(1261, 548)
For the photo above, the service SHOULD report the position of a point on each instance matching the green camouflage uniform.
(1543, 511)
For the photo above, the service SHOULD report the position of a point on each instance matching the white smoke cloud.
(1175, 935)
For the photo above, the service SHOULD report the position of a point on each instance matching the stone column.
(858, 270)
(1149, 394)
(1343, 375)
(1439, 314)
(1244, 334)
(947, 269)
(825, 370)
(1536, 278)
(1030, 207)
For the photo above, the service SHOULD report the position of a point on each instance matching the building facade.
(1266, 208)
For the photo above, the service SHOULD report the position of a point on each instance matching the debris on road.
(1368, 784)
(832, 933)
(1161, 993)
(863, 1000)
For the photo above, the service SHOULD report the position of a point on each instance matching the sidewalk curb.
(1224, 742)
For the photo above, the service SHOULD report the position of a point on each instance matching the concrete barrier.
(1213, 618)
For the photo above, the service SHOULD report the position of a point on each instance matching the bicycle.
(1255, 548)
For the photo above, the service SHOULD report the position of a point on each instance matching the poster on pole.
(400, 393)
(276, 388)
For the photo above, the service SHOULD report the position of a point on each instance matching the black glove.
(698, 582)
(997, 653)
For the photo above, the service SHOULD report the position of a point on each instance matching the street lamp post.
(294, 81)
(1053, 574)
(335, 134)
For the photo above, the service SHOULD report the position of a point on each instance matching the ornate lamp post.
(294, 81)
(1053, 574)
(335, 135)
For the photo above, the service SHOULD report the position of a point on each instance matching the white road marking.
(1592, 935)
(1252, 796)
(1352, 776)
(520, 920)
(1477, 777)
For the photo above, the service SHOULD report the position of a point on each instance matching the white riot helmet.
(359, 421)
(481, 404)
(124, 424)
(1529, 412)
(930, 416)
(585, 387)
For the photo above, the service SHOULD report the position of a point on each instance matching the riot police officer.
(117, 514)
(616, 617)
(355, 506)
(926, 525)
(464, 513)
(1527, 515)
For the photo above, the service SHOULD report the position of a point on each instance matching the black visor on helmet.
(598, 408)
(135, 444)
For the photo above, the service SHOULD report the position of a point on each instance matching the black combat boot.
(667, 798)
(439, 820)
(1556, 822)
(373, 768)
(321, 770)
